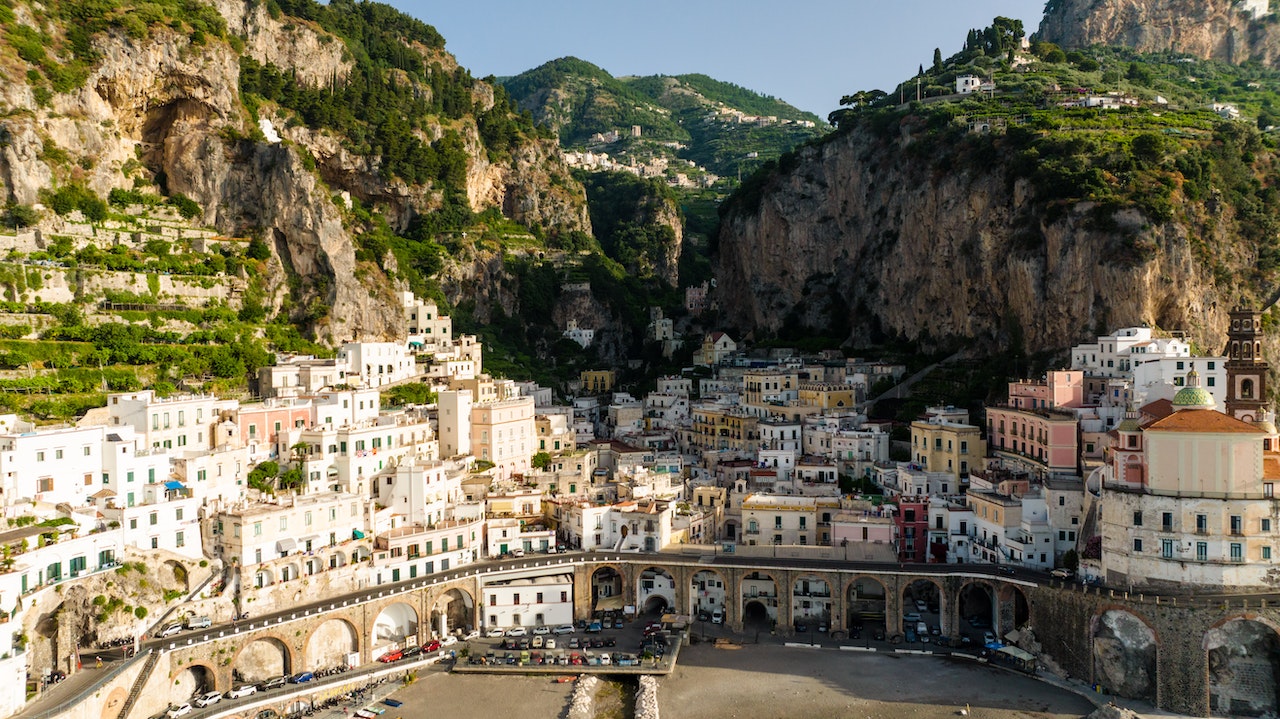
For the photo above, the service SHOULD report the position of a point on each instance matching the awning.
(173, 484)
(607, 603)
(357, 534)
(286, 545)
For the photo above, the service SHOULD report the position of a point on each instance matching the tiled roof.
(1202, 420)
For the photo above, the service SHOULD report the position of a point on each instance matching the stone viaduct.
(1219, 655)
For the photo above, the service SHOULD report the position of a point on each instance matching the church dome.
(1193, 396)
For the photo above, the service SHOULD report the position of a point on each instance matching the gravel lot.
(762, 682)
(768, 682)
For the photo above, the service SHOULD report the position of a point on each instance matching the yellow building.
(940, 445)
(787, 519)
(827, 395)
(598, 380)
(716, 427)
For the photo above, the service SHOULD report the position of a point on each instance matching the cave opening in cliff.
(1244, 667)
(164, 124)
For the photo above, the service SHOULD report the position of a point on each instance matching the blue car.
(301, 677)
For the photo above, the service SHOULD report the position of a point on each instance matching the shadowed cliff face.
(867, 234)
(1208, 29)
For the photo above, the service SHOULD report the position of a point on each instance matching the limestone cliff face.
(163, 109)
(1209, 29)
(863, 235)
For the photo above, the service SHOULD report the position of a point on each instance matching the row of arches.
(812, 600)
(333, 642)
(1243, 657)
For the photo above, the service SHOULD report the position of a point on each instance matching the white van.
(922, 629)
(199, 623)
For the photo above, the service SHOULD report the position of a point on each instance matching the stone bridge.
(1221, 655)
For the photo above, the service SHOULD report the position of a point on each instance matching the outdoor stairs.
(139, 684)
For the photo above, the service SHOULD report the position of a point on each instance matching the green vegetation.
(624, 212)
(401, 395)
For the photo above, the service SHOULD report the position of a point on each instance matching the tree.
(540, 460)
(937, 60)
(1071, 560)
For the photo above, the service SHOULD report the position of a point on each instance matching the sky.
(806, 52)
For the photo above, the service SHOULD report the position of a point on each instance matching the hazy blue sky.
(807, 52)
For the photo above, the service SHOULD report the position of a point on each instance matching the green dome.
(1129, 425)
(1193, 398)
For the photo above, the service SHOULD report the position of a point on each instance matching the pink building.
(855, 528)
(261, 425)
(1037, 430)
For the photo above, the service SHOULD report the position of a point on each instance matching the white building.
(374, 364)
(429, 330)
(168, 518)
(60, 465)
(528, 601)
(967, 84)
(171, 423)
(581, 335)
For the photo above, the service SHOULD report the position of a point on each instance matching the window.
(515, 598)
(539, 597)
(39, 456)
(1202, 551)
(44, 484)
(153, 519)
(178, 514)
(179, 540)
(493, 602)
(257, 529)
(1137, 519)
(1062, 501)
(1202, 524)
(57, 454)
(777, 522)
(1137, 545)
(133, 523)
(1166, 548)
(1236, 525)
(86, 450)
(1266, 552)
(1237, 552)
(1166, 521)
(1266, 524)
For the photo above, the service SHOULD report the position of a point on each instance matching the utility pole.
(917, 89)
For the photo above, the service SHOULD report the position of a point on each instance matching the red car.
(394, 655)
(432, 645)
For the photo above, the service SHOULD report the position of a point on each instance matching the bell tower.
(1246, 370)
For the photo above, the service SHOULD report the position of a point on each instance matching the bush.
(140, 612)
(186, 206)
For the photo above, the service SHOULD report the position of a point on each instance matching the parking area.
(608, 640)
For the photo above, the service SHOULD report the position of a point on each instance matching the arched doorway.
(755, 616)
(730, 531)
(978, 612)
(263, 578)
(1015, 609)
(921, 602)
(453, 610)
(760, 589)
(1244, 667)
(708, 595)
(655, 591)
(606, 590)
(1124, 655)
(393, 626)
(195, 679)
(866, 603)
(260, 660)
(332, 644)
(177, 571)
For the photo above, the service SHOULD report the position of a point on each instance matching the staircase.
(153, 656)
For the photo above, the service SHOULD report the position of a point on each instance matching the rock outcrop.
(867, 237)
(168, 110)
(1208, 29)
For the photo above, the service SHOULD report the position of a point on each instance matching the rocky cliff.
(166, 108)
(1209, 29)
(874, 235)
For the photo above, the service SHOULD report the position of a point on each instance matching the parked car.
(273, 683)
(410, 652)
(922, 606)
(537, 642)
(717, 617)
(910, 618)
(542, 629)
(823, 628)
(563, 629)
(594, 627)
(550, 643)
(448, 641)
(495, 632)
(394, 655)
(432, 646)
(1062, 573)
(178, 710)
(301, 678)
(170, 629)
(209, 699)
(243, 690)
(473, 634)
(199, 623)
(988, 637)
(801, 627)
(517, 553)
(517, 632)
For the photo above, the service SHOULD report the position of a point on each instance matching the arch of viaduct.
(1067, 621)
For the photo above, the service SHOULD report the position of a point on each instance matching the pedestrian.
(99, 662)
